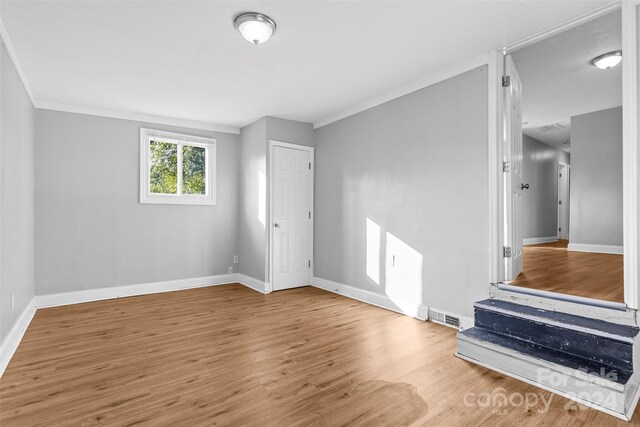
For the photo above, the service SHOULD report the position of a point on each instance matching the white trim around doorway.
(269, 208)
(563, 235)
(630, 144)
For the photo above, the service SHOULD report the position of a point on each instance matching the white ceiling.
(183, 59)
(558, 80)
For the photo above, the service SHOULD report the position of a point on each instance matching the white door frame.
(269, 222)
(565, 191)
(629, 144)
(513, 155)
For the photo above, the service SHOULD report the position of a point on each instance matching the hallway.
(551, 267)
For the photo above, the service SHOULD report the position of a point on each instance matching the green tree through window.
(163, 170)
(177, 169)
(193, 170)
(163, 176)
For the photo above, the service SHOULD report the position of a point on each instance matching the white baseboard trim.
(10, 343)
(12, 340)
(88, 295)
(423, 313)
(252, 282)
(600, 249)
(418, 311)
(373, 298)
(538, 240)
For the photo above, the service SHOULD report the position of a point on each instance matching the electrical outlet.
(13, 301)
(235, 259)
(230, 270)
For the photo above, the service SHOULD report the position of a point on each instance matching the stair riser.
(582, 344)
(613, 402)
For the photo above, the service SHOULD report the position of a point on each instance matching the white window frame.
(146, 136)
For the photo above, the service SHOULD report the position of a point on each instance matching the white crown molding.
(448, 73)
(138, 117)
(69, 108)
(6, 41)
(564, 26)
(467, 65)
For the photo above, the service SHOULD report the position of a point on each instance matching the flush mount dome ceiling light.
(608, 60)
(256, 28)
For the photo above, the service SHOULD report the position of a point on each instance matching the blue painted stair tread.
(617, 375)
(596, 345)
(612, 329)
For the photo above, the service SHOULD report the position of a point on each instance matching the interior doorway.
(290, 258)
(563, 163)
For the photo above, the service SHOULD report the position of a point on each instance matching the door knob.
(524, 186)
(276, 225)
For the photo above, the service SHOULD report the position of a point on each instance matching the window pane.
(163, 171)
(193, 170)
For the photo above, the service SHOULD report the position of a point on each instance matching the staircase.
(587, 360)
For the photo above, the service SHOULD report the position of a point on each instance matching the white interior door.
(291, 222)
(513, 179)
(563, 201)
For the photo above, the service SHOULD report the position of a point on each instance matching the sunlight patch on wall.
(262, 198)
(373, 251)
(403, 284)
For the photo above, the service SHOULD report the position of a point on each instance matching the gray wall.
(540, 201)
(254, 143)
(253, 183)
(417, 167)
(91, 230)
(16, 195)
(596, 178)
(290, 131)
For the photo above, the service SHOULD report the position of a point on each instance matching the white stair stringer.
(615, 399)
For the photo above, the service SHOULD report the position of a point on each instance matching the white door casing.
(630, 107)
(291, 221)
(513, 179)
(563, 201)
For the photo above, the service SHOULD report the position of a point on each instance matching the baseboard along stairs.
(587, 360)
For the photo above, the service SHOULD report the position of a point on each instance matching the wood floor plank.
(227, 355)
(551, 267)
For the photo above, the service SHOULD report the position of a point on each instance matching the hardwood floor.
(227, 355)
(551, 267)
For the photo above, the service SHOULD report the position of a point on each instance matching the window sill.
(163, 200)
